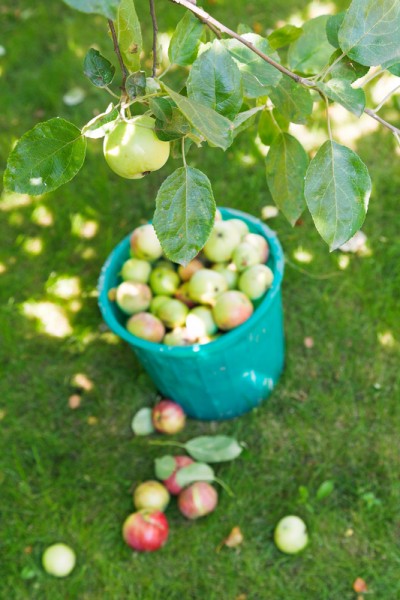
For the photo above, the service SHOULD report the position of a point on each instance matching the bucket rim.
(228, 338)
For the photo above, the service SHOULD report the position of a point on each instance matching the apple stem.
(224, 486)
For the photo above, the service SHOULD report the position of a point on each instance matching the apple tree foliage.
(232, 81)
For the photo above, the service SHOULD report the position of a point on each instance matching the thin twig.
(208, 20)
(117, 51)
(155, 31)
(326, 70)
(368, 77)
(382, 102)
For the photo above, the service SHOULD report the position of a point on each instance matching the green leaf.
(185, 41)
(170, 122)
(346, 68)
(303, 494)
(293, 101)
(129, 34)
(105, 8)
(197, 471)
(98, 69)
(216, 82)
(370, 32)
(213, 448)
(332, 28)
(311, 52)
(215, 128)
(395, 69)
(45, 157)
(164, 467)
(325, 489)
(340, 90)
(102, 124)
(286, 165)
(245, 119)
(258, 76)
(184, 215)
(142, 423)
(337, 190)
(135, 84)
(284, 36)
(270, 126)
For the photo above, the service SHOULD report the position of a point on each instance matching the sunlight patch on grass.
(33, 246)
(89, 253)
(83, 228)
(64, 287)
(3, 268)
(386, 339)
(110, 338)
(42, 216)
(12, 200)
(343, 261)
(51, 318)
(303, 256)
(248, 160)
(75, 305)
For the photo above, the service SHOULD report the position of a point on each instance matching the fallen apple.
(152, 495)
(146, 326)
(59, 560)
(168, 417)
(290, 535)
(132, 149)
(133, 297)
(197, 500)
(232, 309)
(146, 530)
(171, 484)
(144, 243)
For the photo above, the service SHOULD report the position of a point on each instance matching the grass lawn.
(67, 475)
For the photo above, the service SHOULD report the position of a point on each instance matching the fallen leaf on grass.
(234, 539)
(359, 586)
(74, 401)
(28, 550)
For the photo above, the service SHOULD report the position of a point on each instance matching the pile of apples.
(183, 305)
(146, 530)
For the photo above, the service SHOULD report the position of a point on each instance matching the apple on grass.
(170, 483)
(152, 495)
(197, 500)
(232, 309)
(58, 560)
(146, 530)
(146, 326)
(290, 535)
(144, 243)
(223, 240)
(133, 297)
(132, 149)
(168, 417)
(164, 281)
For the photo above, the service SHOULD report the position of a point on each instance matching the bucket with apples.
(210, 334)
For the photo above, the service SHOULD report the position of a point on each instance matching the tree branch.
(214, 24)
(155, 31)
(118, 53)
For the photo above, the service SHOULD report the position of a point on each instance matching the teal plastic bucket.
(227, 377)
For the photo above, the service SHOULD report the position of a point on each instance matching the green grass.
(334, 414)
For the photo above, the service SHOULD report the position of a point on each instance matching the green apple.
(146, 326)
(156, 303)
(240, 226)
(58, 560)
(132, 149)
(260, 243)
(229, 271)
(135, 269)
(185, 272)
(200, 322)
(133, 297)
(255, 281)
(173, 313)
(179, 337)
(245, 255)
(164, 264)
(206, 285)
(145, 244)
(290, 535)
(223, 240)
(232, 309)
(164, 281)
